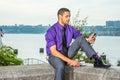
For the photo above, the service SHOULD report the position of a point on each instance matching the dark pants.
(59, 65)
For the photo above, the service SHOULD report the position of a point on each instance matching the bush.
(8, 57)
(118, 63)
(81, 57)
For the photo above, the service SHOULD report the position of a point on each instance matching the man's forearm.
(61, 56)
(56, 53)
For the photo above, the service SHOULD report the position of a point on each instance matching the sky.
(35, 12)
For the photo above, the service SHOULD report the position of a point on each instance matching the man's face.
(65, 18)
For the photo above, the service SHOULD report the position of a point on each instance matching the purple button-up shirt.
(54, 36)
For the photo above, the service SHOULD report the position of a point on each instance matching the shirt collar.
(60, 27)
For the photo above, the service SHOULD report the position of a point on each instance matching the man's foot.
(100, 64)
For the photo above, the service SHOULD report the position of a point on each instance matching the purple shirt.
(54, 36)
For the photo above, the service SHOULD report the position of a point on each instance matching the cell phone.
(94, 34)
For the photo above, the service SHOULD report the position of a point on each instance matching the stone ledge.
(46, 72)
(91, 73)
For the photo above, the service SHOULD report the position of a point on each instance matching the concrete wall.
(46, 72)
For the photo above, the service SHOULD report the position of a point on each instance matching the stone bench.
(46, 72)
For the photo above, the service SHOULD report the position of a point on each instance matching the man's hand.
(74, 63)
(91, 39)
(56, 53)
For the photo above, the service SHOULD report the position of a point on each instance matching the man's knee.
(80, 38)
(60, 67)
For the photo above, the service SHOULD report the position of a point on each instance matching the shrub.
(81, 57)
(8, 57)
(118, 63)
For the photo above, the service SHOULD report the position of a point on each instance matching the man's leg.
(59, 67)
(81, 42)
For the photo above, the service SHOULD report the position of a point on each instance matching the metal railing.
(29, 61)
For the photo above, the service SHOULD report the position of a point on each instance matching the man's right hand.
(74, 63)
(91, 39)
(56, 53)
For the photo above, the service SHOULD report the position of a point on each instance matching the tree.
(78, 24)
(118, 63)
(8, 57)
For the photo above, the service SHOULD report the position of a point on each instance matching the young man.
(58, 39)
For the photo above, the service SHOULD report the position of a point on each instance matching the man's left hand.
(91, 39)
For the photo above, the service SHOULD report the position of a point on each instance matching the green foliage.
(7, 57)
(77, 23)
(103, 56)
(81, 57)
(86, 35)
(118, 63)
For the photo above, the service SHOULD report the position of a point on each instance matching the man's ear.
(59, 16)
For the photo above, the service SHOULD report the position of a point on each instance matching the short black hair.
(62, 10)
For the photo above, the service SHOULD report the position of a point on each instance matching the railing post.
(16, 51)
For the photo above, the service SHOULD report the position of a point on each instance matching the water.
(28, 46)
(110, 46)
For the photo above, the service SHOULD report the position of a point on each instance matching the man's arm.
(56, 53)
(76, 34)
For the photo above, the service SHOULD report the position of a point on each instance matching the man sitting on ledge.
(59, 50)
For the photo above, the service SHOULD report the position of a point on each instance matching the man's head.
(63, 16)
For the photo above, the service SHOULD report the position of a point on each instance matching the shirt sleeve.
(50, 39)
(76, 33)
